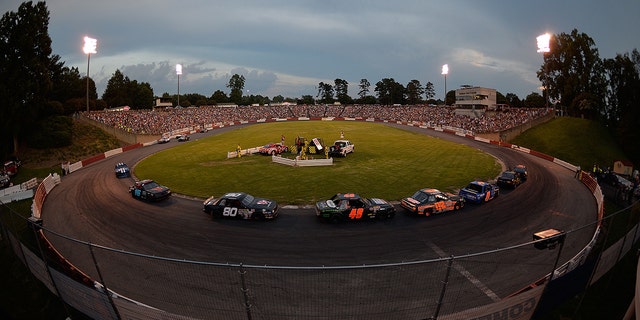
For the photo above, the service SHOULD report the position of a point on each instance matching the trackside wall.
(433, 289)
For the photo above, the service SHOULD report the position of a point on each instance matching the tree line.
(38, 92)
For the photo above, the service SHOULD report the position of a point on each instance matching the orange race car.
(430, 201)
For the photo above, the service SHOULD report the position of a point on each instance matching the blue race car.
(122, 170)
(479, 191)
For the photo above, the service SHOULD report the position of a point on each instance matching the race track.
(92, 205)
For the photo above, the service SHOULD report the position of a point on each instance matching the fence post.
(104, 285)
(245, 292)
(444, 288)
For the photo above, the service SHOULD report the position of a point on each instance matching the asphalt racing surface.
(93, 206)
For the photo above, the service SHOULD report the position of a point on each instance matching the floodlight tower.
(90, 45)
(543, 47)
(445, 71)
(178, 72)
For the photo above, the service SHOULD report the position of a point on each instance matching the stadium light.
(445, 71)
(90, 45)
(178, 72)
(543, 47)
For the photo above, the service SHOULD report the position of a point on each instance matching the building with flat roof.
(475, 98)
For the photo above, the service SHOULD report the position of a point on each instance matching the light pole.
(445, 71)
(90, 45)
(178, 72)
(543, 47)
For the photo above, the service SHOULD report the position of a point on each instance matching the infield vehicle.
(122, 170)
(509, 179)
(351, 206)
(5, 181)
(429, 201)
(341, 148)
(241, 205)
(149, 190)
(479, 191)
(272, 149)
(10, 168)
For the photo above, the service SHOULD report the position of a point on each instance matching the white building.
(475, 98)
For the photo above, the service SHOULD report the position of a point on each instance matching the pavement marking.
(475, 281)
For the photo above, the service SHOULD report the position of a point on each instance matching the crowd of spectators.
(160, 121)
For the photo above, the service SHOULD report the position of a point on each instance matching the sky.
(287, 47)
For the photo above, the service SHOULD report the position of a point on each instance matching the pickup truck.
(341, 148)
(479, 191)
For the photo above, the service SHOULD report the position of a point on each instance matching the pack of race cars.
(341, 206)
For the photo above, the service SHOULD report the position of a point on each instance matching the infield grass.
(388, 162)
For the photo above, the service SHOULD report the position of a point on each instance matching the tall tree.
(25, 58)
(429, 91)
(414, 92)
(325, 92)
(341, 88)
(364, 88)
(573, 73)
(236, 84)
(117, 93)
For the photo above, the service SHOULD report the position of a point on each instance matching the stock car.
(430, 201)
(273, 149)
(351, 206)
(241, 205)
(183, 137)
(509, 179)
(149, 190)
(122, 170)
(479, 191)
(521, 170)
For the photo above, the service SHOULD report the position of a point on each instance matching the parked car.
(351, 206)
(273, 149)
(122, 170)
(479, 191)
(149, 190)
(509, 179)
(429, 201)
(5, 181)
(241, 205)
(341, 148)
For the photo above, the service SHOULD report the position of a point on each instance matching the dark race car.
(183, 138)
(509, 179)
(479, 191)
(122, 170)
(521, 171)
(350, 206)
(240, 205)
(430, 201)
(149, 190)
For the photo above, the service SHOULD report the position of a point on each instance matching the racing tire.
(334, 219)
(216, 215)
(258, 216)
(457, 206)
(427, 212)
